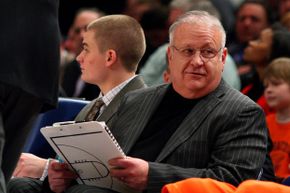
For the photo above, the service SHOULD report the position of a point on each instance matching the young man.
(197, 126)
(112, 47)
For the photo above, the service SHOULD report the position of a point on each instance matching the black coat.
(29, 47)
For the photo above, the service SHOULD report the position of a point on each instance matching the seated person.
(277, 95)
(117, 67)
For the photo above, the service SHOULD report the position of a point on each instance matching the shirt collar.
(107, 98)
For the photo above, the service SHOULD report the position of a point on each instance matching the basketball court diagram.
(83, 160)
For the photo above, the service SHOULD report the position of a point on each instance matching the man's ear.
(224, 56)
(111, 57)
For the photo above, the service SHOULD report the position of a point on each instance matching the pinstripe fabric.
(224, 137)
(109, 112)
(88, 189)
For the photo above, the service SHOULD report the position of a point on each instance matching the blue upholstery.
(66, 111)
(286, 181)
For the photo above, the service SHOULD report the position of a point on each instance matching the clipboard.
(87, 147)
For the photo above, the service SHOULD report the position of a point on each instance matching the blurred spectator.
(227, 15)
(251, 18)
(154, 23)
(83, 17)
(71, 82)
(136, 8)
(283, 8)
(285, 21)
(272, 43)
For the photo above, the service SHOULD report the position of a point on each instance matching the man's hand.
(132, 171)
(29, 165)
(59, 176)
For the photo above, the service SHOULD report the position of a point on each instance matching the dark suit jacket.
(109, 112)
(224, 137)
(29, 47)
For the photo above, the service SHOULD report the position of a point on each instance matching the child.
(277, 94)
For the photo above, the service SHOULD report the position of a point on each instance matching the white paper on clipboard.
(87, 147)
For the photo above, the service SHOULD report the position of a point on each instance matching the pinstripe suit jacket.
(224, 137)
(109, 112)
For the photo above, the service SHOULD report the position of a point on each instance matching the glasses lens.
(208, 53)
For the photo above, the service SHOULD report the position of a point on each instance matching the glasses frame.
(182, 52)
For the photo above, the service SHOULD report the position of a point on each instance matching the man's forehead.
(197, 33)
(89, 37)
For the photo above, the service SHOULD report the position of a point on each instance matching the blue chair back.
(67, 110)
(286, 181)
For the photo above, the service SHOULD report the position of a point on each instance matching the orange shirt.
(260, 101)
(280, 154)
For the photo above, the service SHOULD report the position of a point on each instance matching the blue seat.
(67, 110)
(286, 181)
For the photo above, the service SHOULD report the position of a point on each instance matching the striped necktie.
(95, 110)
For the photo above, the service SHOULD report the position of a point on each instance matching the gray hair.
(198, 17)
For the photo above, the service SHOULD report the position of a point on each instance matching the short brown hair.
(278, 69)
(123, 34)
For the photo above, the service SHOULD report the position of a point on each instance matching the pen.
(59, 159)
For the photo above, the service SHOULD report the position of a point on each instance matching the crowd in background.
(257, 33)
(242, 20)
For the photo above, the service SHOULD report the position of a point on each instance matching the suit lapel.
(111, 109)
(192, 122)
(84, 112)
(144, 112)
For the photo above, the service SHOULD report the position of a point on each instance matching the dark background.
(67, 9)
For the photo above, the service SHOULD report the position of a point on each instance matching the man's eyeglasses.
(204, 53)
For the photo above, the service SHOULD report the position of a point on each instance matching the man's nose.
(196, 59)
